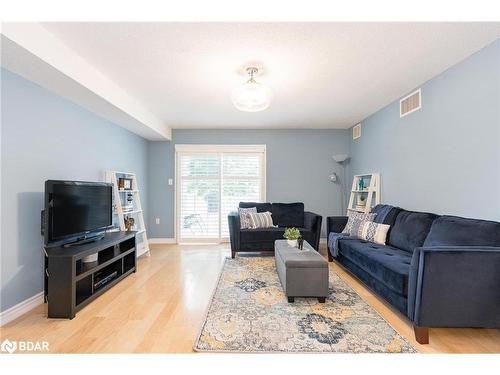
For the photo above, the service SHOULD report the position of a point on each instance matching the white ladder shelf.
(119, 196)
(370, 191)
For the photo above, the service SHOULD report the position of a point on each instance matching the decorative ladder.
(371, 192)
(119, 196)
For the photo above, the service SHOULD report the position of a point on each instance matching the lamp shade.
(251, 97)
(340, 158)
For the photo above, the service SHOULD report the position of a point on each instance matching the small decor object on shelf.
(361, 202)
(92, 258)
(128, 207)
(124, 183)
(300, 243)
(130, 198)
(129, 223)
(361, 184)
(292, 235)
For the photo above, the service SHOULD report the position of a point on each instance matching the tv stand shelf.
(87, 270)
(71, 284)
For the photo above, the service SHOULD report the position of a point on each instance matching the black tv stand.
(85, 240)
(71, 284)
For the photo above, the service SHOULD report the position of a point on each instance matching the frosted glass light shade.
(251, 97)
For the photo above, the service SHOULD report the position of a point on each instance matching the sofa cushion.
(395, 299)
(261, 207)
(355, 221)
(459, 231)
(271, 234)
(386, 214)
(244, 218)
(288, 214)
(260, 220)
(374, 232)
(387, 264)
(410, 230)
(261, 234)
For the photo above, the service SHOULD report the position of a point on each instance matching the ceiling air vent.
(410, 103)
(356, 131)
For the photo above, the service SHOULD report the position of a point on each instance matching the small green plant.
(292, 234)
(362, 198)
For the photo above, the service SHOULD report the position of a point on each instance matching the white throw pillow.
(260, 220)
(244, 220)
(355, 220)
(373, 232)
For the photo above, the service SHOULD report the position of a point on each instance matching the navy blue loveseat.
(440, 271)
(284, 215)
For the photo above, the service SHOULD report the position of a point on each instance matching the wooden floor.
(161, 307)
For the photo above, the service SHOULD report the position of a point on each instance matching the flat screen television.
(76, 211)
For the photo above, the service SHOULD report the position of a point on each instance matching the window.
(211, 181)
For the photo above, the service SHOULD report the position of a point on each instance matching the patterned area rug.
(250, 313)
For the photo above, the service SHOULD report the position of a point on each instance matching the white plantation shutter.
(211, 181)
(241, 182)
(199, 193)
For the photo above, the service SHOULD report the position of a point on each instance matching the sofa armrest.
(234, 230)
(335, 224)
(313, 222)
(455, 286)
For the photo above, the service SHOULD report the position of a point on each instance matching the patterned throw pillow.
(355, 219)
(373, 232)
(260, 220)
(244, 220)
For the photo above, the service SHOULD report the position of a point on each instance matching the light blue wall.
(298, 165)
(444, 158)
(47, 137)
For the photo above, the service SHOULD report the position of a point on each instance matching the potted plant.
(362, 200)
(292, 235)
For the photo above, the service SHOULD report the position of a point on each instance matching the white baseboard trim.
(153, 241)
(162, 241)
(21, 308)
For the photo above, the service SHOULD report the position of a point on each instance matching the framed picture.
(124, 183)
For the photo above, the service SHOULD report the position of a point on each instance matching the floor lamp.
(342, 160)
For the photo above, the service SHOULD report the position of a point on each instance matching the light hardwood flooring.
(162, 306)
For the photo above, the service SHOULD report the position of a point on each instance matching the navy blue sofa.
(440, 271)
(284, 215)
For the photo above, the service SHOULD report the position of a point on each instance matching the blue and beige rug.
(250, 313)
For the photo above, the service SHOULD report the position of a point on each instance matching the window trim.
(191, 149)
(240, 149)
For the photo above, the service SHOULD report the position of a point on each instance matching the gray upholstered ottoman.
(303, 273)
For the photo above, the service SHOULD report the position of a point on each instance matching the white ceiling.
(324, 75)
(30, 51)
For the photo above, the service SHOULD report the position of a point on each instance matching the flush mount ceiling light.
(251, 96)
